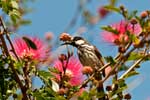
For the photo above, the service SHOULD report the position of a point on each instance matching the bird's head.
(75, 41)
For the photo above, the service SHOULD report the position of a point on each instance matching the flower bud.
(121, 49)
(133, 21)
(137, 66)
(144, 14)
(120, 95)
(65, 37)
(127, 96)
(117, 42)
(87, 70)
(102, 12)
(15, 95)
(62, 91)
(115, 87)
(137, 43)
(62, 57)
(108, 88)
(122, 7)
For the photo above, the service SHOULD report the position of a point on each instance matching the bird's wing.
(100, 58)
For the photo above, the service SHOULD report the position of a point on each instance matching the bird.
(89, 55)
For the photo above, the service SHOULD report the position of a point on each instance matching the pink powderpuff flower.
(23, 51)
(121, 27)
(73, 70)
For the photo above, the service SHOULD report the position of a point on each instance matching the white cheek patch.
(79, 42)
(89, 46)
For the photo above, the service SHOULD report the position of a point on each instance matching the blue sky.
(54, 15)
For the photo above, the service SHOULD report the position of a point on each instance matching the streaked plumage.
(89, 56)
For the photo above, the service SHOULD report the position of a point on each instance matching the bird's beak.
(67, 43)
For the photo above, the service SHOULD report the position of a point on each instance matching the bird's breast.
(88, 58)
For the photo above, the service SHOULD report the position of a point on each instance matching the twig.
(117, 64)
(8, 38)
(112, 70)
(134, 65)
(99, 70)
(131, 68)
(17, 79)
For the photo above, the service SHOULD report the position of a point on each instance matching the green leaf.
(84, 96)
(25, 22)
(123, 67)
(132, 73)
(45, 93)
(134, 56)
(121, 83)
(45, 76)
(147, 58)
(112, 8)
(110, 29)
(54, 70)
(132, 14)
(59, 98)
(38, 95)
(14, 15)
(113, 2)
(14, 4)
(119, 90)
(100, 94)
(92, 92)
(30, 43)
(110, 60)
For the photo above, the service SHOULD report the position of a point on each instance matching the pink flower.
(121, 27)
(23, 51)
(73, 70)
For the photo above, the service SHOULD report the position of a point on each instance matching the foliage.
(65, 79)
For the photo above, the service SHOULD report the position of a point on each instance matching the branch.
(17, 79)
(8, 38)
(136, 63)
(90, 78)
(99, 70)
(131, 68)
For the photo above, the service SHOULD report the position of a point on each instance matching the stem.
(17, 79)
(91, 77)
(6, 51)
(8, 38)
(121, 60)
(112, 70)
(131, 68)
(99, 70)
(134, 65)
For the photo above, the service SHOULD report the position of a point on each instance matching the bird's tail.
(100, 88)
